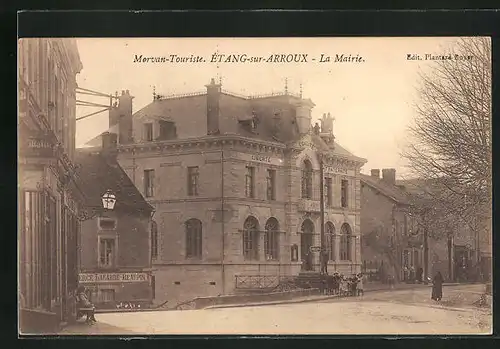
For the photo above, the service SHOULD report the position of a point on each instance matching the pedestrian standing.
(437, 287)
(412, 274)
(420, 274)
(360, 288)
(324, 262)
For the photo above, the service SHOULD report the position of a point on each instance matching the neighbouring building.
(235, 185)
(114, 243)
(49, 198)
(390, 241)
(460, 251)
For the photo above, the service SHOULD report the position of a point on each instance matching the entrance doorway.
(306, 242)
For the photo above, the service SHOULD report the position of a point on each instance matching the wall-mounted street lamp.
(108, 203)
(108, 200)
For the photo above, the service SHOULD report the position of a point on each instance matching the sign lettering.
(36, 146)
(332, 169)
(111, 277)
(262, 159)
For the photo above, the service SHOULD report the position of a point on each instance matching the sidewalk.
(368, 288)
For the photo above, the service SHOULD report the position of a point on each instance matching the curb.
(322, 298)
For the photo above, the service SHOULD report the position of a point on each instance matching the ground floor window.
(345, 242)
(106, 295)
(251, 239)
(194, 239)
(271, 239)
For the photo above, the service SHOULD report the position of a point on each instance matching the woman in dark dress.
(437, 287)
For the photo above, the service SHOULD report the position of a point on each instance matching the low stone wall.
(204, 302)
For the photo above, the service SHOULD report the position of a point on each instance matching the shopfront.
(110, 290)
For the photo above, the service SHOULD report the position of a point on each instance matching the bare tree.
(450, 139)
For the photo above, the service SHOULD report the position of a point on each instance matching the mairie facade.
(235, 182)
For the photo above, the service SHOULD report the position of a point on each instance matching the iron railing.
(254, 282)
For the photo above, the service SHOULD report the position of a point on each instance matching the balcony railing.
(259, 282)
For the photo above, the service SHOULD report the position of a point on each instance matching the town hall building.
(235, 183)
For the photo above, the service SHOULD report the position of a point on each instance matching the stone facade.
(264, 133)
(115, 243)
(386, 228)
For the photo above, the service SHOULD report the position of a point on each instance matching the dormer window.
(167, 130)
(250, 123)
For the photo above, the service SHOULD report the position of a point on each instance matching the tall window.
(345, 242)
(193, 239)
(328, 192)
(193, 174)
(251, 239)
(271, 239)
(306, 239)
(148, 132)
(271, 184)
(250, 182)
(330, 235)
(344, 189)
(149, 179)
(154, 240)
(107, 252)
(307, 174)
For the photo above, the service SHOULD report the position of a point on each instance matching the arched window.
(154, 240)
(193, 238)
(330, 239)
(306, 239)
(345, 242)
(271, 239)
(307, 175)
(251, 238)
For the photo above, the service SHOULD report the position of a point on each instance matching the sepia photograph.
(254, 186)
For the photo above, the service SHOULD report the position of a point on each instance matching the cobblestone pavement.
(396, 312)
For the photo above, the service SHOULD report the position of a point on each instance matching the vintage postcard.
(255, 186)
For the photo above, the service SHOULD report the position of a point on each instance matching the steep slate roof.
(392, 191)
(97, 174)
(189, 110)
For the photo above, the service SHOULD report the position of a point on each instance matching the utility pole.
(322, 213)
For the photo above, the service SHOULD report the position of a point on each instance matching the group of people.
(342, 285)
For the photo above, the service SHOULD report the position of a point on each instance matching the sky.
(371, 100)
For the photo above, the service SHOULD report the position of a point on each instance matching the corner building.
(236, 187)
(49, 197)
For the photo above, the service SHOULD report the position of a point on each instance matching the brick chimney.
(213, 110)
(303, 115)
(375, 172)
(113, 115)
(125, 118)
(109, 143)
(389, 175)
